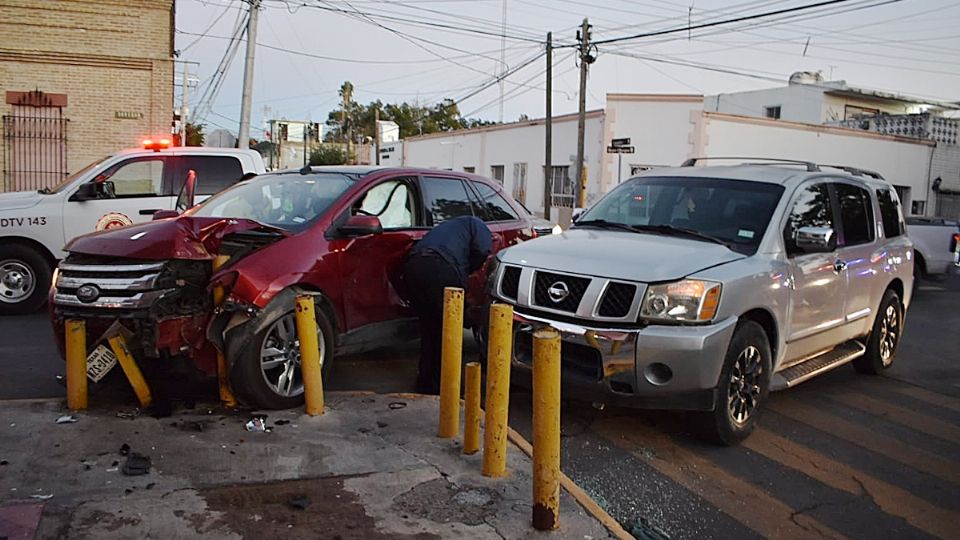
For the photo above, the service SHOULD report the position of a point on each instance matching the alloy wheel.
(280, 357)
(743, 393)
(17, 281)
(889, 334)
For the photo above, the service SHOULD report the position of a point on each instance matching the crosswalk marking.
(890, 499)
(741, 500)
(932, 398)
(905, 417)
(916, 458)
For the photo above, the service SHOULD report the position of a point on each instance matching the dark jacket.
(463, 242)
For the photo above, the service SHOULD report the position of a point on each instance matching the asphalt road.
(843, 455)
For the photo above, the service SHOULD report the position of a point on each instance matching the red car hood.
(183, 237)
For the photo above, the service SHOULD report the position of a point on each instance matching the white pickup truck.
(936, 242)
(120, 189)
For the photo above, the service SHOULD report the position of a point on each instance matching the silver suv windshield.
(734, 213)
(288, 200)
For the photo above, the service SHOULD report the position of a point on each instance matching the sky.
(427, 50)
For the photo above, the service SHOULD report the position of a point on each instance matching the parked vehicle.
(117, 190)
(936, 244)
(338, 233)
(704, 288)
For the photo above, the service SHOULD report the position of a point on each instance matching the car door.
(140, 187)
(858, 252)
(816, 313)
(214, 173)
(370, 265)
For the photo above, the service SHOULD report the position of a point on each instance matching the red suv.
(338, 233)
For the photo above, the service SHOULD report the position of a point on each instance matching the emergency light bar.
(156, 146)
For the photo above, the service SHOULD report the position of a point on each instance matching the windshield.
(287, 200)
(732, 212)
(66, 182)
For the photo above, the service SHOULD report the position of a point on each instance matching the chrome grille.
(545, 282)
(120, 285)
(617, 300)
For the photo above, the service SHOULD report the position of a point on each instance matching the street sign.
(620, 149)
(625, 141)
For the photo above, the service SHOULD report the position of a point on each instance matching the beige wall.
(107, 56)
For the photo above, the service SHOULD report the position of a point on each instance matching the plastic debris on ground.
(136, 465)
(129, 415)
(42, 497)
(67, 419)
(257, 425)
(394, 405)
(124, 449)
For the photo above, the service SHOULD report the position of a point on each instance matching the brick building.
(80, 79)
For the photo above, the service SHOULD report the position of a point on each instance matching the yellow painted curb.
(576, 491)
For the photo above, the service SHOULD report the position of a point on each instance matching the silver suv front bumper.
(669, 367)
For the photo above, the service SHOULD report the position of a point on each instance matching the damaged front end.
(158, 280)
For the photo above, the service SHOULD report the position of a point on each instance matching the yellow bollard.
(471, 428)
(226, 395)
(310, 365)
(76, 346)
(131, 370)
(546, 429)
(499, 351)
(451, 354)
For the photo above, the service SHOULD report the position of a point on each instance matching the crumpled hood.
(619, 255)
(182, 237)
(18, 200)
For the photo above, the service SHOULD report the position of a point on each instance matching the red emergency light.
(150, 144)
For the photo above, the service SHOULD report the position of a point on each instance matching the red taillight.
(956, 242)
(534, 234)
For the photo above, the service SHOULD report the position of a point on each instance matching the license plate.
(100, 362)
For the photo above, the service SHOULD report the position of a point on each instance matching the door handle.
(839, 266)
(149, 211)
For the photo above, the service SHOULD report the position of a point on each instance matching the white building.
(664, 130)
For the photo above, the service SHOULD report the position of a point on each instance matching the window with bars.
(496, 172)
(561, 186)
(520, 182)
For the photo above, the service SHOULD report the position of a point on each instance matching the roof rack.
(857, 171)
(811, 167)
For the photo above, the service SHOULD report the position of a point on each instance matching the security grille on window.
(496, 172)
(772, 112)
(520, 182)
(561, 186)
(470, 170)
(35, 141)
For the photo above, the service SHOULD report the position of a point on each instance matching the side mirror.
(361, 226)
(816, 239)
(164, 214)
(187, 192)
(85, 192)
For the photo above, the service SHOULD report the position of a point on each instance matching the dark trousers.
(425, 277)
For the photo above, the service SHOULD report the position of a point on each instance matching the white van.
(120, 189)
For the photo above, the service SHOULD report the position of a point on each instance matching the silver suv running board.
(816, 365)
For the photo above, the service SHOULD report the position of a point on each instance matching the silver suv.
(703, 288)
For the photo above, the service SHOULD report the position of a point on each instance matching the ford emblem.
(88, 293)
(558, 292)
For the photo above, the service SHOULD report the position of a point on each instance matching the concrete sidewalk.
(371, 467)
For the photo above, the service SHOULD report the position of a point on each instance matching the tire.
(884, 337)
(25, 278)
(743, 387)
(265, 388)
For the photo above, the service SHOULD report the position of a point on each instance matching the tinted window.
(138, 178)
(811, 209)
(890, 213)
(214, 173)
(493, 206)
(445, 198)
(856, 214)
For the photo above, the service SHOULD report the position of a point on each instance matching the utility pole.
(548, 127)
(184, 106)
(376, 132)
(503, 56)
(583, 38)
(243, 138)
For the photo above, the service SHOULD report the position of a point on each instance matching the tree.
(328, 154)
(413, 119)
(195, 135)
